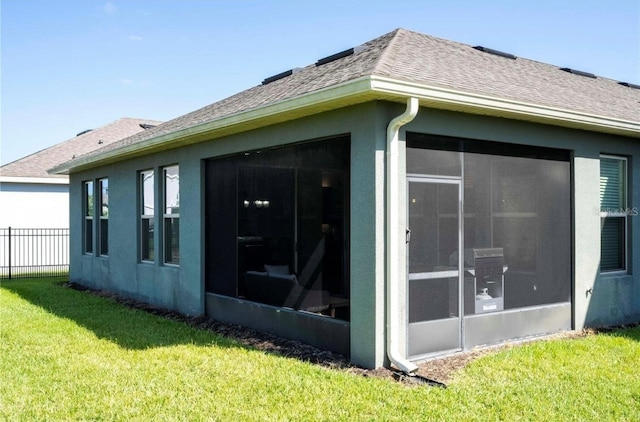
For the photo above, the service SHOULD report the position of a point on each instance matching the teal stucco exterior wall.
(181, 288)
(598, 299)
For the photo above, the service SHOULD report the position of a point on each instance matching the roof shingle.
(37, 164)
(404, 55)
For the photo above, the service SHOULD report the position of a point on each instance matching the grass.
(68, 355)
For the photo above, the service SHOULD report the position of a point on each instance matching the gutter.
(347, 93)
(362, 89)
(393, 236)
(469, 102)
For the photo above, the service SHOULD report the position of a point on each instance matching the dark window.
(613, 213)
(88, 205)
(171, 215)
(147, 215)
(103, 229)
(277, 226)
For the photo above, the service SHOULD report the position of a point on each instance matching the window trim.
(623, 213)
(88, 215)
(167, 216)
(144, 216)
(102, 216)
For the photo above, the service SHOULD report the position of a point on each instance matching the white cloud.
(109, 8)
(126, 81)
(135, 38)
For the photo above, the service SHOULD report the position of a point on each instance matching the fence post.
(9, 252)
(33, 253)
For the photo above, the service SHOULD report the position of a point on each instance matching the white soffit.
(337, 96)
(446, 98)
(366, 88)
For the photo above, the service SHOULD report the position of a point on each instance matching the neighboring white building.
(32, 198)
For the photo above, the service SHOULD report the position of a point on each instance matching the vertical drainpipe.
(393, 236)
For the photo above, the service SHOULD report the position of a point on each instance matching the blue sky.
(71, 65)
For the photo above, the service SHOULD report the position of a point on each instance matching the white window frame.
(623, 213)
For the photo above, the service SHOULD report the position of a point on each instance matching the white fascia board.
(35, 180)
(312, 101)
(362, 89)
(504, 107)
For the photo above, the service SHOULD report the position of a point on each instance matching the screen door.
(434, 265)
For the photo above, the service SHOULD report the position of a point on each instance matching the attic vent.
(334, 57)
(629, 85)
(146, 126)
(84, 131)
(578, 72)
(495, 52)
(278, 76)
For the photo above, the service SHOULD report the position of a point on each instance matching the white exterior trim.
(465, 101)
(304, 105)
(35, 180)
(365, 88)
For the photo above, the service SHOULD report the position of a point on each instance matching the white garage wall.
(34, 205)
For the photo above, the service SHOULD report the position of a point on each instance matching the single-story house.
(25, 184)
(401, 199)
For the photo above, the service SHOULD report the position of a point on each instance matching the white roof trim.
(359, 90)
(35, 180)
(313, 99)
(505, 107)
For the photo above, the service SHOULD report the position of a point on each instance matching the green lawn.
(69, 355)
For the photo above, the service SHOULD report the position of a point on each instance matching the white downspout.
(393, 235)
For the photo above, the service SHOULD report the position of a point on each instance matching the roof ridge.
(37, 162)
(404, 56)
(382, 58)
(75, 138)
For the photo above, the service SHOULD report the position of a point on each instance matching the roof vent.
(146, 126)
(84, 131)
(578, 72)
(335, 57)
(495, 52)
(629, 85)
(278, 76)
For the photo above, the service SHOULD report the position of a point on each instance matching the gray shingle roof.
(37, 164)
(303, 81)
(433, 61)
(429, 61)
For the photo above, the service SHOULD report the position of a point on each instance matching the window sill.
(614, 274)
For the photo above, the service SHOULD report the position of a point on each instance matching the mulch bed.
(436, 372)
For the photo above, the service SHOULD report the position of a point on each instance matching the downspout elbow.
(393, 236)
(394, 126)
